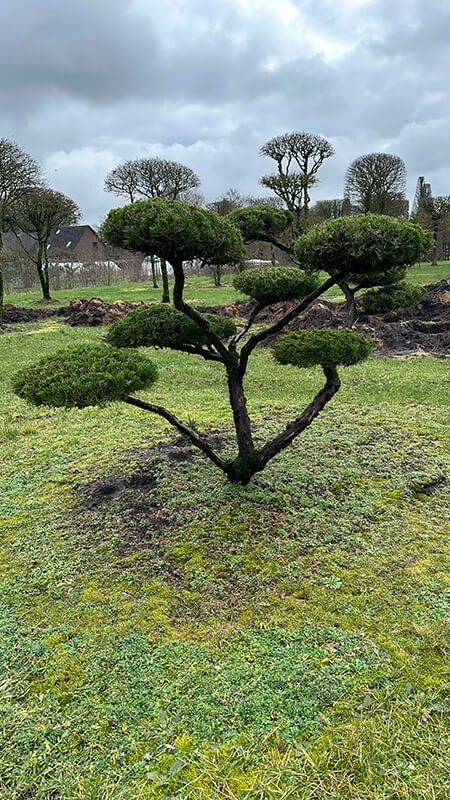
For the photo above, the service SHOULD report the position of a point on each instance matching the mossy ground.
(165, 634)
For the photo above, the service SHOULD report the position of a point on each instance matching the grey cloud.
(85, 86)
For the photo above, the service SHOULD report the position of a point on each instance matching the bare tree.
(149, 178)
(298, 156)
(330, 209)
(375, 183)
(433, 214)
(124, 181)
(18, 171)
(36, 214)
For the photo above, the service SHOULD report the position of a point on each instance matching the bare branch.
(185, 430)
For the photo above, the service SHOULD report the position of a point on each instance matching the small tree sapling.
(180, 232)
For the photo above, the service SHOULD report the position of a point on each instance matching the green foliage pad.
(161, 325)
(274, 284)
(391, 298)
(84, 376)
(259, 223)
(325, 347)
(174, 230)
(364, 247)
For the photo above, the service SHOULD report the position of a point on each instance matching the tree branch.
(185, 430)
(256, 338)
(191, 312)
(238, 336)
(303, 421)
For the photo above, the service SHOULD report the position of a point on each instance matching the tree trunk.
(217, 276)
(350, 305)
(165, 280)
(43, 274)
(155, 284)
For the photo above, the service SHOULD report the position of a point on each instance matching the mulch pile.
(13, 313)
(420, 329)
(95, 312)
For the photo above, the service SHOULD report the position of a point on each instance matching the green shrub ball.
(84, 376)
(274, 284)
(325, 347)
(161, 325)
(391, 298)
(363, 247)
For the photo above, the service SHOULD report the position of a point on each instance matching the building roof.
(64, 238)
(68, 236)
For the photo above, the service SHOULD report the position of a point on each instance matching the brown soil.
(13, 313)
(421, 329)
(95, 311)
(418, 330)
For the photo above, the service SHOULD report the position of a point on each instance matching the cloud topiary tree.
(180, 232)
(366, 251)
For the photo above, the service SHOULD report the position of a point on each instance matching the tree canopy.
(375, 183)
(175, 231)
(36, 213)
(298, 157)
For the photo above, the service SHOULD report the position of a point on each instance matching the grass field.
(200, 291)
(167, 635)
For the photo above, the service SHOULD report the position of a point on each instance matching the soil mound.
(12, 313)
(95, 311)
(421, 329)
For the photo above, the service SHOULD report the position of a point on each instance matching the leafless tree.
(36, 214)
(433, 214)
(375, 183)
(330, 209)
(298, 156)
(18, 171)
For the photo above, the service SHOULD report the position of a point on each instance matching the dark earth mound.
(421, 329)
(13, 313)
(95, 311)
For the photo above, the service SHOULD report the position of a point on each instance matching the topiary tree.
(180, 232)
(374, 250)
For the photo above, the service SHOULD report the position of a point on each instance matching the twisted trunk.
(350, 305)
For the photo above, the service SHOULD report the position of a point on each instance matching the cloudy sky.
(88, 84)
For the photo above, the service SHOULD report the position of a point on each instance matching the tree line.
(374, 183)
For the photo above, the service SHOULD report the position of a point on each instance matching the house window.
(94, 244)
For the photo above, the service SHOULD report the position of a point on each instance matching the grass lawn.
(167, 635)
(199, 291)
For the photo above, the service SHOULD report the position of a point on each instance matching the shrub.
(362, 246)
(174, 230)
(273, 284)
(260, 223)
(324, 347)
(391, 298)
(84, 376)
(161, 325)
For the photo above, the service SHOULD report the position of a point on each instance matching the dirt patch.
(418, 330)
(12, 313)
(95, 312)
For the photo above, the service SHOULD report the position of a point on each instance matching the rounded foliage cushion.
(84, 376)
(274, 284)
(161, 325)
(325, 347)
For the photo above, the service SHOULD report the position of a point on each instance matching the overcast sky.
(88, 84)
